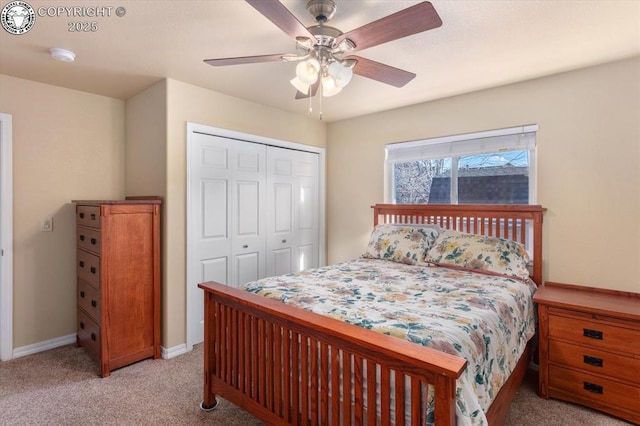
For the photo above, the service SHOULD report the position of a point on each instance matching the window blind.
(509, 139)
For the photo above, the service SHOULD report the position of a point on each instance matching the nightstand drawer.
(89, 239)
(88, 268)
(594, 361)
(593, 333)
(584, 386)
(88, 216)
(89, 300)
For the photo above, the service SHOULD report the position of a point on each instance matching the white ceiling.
(481, 44)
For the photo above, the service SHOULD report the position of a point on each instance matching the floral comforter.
(485, 319)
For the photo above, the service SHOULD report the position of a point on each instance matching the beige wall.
(146, 142)
(188, 103)
(588, 174)
(71, 145)
(66, 145)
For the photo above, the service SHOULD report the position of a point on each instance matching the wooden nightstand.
(590, 348)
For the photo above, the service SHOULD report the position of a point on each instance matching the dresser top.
(140, 200)
(597, 301)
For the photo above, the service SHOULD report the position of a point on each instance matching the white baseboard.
(167, 353)
(44, 346)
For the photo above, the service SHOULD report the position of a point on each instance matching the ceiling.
(481, 44)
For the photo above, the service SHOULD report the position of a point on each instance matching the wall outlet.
(47, 224)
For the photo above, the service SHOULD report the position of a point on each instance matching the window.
(494, 167)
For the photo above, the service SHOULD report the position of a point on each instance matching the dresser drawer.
(89, 334)
(89, 300)
(88, 268)
(594, 333)
(88, 216)
(592, 388)
(594, 361)
(89, 239)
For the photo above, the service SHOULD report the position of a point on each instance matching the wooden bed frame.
(276, 361)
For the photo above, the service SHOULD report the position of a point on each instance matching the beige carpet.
(60, 387)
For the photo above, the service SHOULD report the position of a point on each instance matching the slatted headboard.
(521, 223)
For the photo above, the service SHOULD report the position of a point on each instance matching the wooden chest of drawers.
(590, 348)
(118, 280)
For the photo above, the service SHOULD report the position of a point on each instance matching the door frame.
(192, 272)
(6, 237)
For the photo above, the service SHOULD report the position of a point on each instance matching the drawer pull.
(592, 387)
(93, 303)
(245, 246)
(81, 215)
(81, 325)
(82, 294)
(81, 237)
(284, 240)
(93, 269)
(94, 241)
(81, 264)
(591, 360)
(93, 216)
(592, 334)
(93, 337)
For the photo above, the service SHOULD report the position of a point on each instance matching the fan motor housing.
(321, 10)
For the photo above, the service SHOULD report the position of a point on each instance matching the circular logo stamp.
(17, 17)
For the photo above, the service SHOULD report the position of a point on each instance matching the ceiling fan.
(325, 54)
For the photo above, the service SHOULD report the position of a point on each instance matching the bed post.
(537, 246)
(209, 401)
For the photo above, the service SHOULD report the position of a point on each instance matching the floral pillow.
(490, 255)
(401, 243)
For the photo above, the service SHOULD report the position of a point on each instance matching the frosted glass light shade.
(307, 71)
(298, 84)
(329, 87)
(341, 75)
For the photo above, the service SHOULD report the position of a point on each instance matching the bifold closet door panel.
(292, 211)
(228, 191)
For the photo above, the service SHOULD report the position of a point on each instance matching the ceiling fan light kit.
(326, 54)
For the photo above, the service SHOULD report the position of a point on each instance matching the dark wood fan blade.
(413, 20)
(275, 11)
(244, 60)
(380, 72)
(314, 90)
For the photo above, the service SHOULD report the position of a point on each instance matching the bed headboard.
(521, 223)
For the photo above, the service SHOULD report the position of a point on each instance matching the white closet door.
(254, 211)
(307, 211)
(292, 211)
(248, 203)
(227, 184)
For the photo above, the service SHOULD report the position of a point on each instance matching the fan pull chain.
(321, 95)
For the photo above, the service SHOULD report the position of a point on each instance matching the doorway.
(6, 237)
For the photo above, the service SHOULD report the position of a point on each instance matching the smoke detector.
(63, 55)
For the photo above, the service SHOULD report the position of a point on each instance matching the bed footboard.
(286, 365)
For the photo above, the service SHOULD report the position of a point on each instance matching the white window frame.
(507, 139)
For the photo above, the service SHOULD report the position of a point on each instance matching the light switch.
(47, 224)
